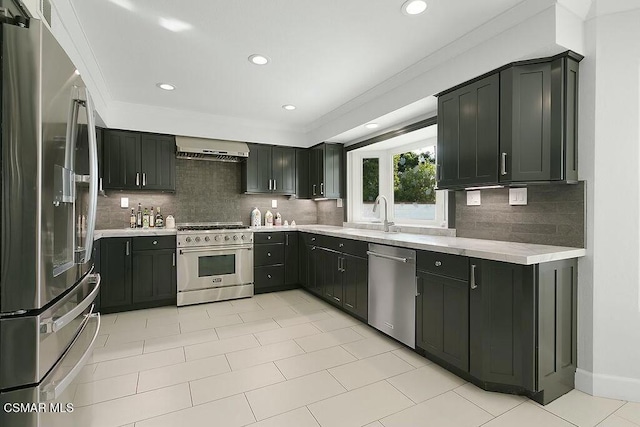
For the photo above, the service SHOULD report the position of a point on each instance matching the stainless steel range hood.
(211, 149)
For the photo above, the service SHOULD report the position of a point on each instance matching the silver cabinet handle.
(275, 186)
(268, 276)
(322, 188)
(503, 164)
(341, 245)
(144, 179)
(269, 184)
(473, 276)
(438, 172)
(392, 258)
(438, 263)
(137, 178)
(314, 189)
(286, 239)
(269, 254)
(174, 259)
(155, 242)
(128, 249)
(268, 237)
(313, 239)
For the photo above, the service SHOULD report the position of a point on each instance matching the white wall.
(609, 277)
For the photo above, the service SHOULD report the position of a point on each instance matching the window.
(403, 170)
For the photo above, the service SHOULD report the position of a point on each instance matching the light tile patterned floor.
(289, 359)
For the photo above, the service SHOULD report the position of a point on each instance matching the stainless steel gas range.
(215, 262)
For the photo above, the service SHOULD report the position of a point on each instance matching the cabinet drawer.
(444, 264)
(268, 237)
(153, 242)
(268, 254)
(354, 247)
(267, 277)
(313, 239)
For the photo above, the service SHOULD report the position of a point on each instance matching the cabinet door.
(303, 186)
(442, 317)
(291, 258)
(115, 270)
(154, 275)
(283, 170)
(332, 171)
(332, 283)
(315, 168)
(121, 160)
(502, 329)
(468, 134)
(355, 285)
(158, 165)
(257, 170)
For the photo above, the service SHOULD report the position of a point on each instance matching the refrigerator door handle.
(53, 325)
(93, 178)
(54, 389)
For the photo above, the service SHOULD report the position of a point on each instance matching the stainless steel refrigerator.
(48, 207)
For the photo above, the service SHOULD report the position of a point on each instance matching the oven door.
(204, 268)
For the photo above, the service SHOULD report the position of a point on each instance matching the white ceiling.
(323, 53)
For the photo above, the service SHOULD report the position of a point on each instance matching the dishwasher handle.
(393, 258)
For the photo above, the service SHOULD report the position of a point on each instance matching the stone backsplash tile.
(554, 215)
(210, 191)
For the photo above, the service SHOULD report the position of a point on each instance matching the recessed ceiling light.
(125, 4)
(372, 125)
(258, 59)
(165, 86)
(174, 25)
(289, 107)
(76, 72)
(414, 7)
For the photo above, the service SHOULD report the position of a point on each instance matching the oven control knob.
(197, 239)
(206, 239)
(226, 237)
(235, 237)
(188, 239)
(217, 238)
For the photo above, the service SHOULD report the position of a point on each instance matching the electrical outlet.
(124, 202)
(338, 203)
(518, 196)
(473, 198)
(274, 204)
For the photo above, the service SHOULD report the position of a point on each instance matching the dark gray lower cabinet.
(442, 324)
(154, 275)
(136, 275)
(523, 327)
(115, 272)
(291, 258)
(355, 285)
(275, 260)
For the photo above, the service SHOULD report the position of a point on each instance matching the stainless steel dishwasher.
(392, 292)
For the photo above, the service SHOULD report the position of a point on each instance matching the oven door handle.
(234, 249)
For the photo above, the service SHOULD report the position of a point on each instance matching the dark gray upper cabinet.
(269, 170)
(517, 124)
(303, 165)
(138, 161)
(538, 121)
(468, 134)
(325, 171)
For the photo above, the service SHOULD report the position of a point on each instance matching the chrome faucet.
(386, 202)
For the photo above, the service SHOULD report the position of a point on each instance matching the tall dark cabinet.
(138, 161)
(269, 169)
(468, 134)
(325, 171)
(291, 258)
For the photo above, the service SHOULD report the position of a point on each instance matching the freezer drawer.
(51, 403)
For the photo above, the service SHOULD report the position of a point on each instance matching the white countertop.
(134, 232)
(516, 253)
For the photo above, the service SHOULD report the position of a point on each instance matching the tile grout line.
(474, 403)
(250, 407)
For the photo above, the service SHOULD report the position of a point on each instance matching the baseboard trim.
(610, 386)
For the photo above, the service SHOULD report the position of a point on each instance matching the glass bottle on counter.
(159, 219)
(152, 218)
(145, 218)
(139, 216)
(132, 219)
